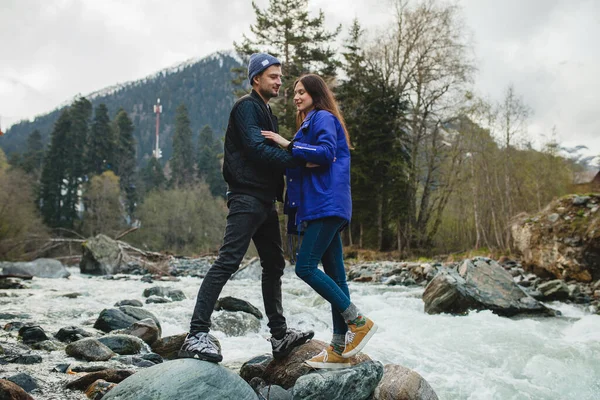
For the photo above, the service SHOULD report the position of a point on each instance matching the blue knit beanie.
(259, 62)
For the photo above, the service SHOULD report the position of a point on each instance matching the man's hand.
(277, 138)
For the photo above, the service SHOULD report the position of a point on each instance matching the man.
(253, 169)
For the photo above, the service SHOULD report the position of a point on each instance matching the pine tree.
(373, 113)
(153, 176)
(102, 143)
(285, 30)
(34, 156)
(79, 113)
(209, 164)
(182, 161)
(126, 159)
(54, 172)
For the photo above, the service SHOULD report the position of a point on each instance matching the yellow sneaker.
(358, 336)
(328, 359)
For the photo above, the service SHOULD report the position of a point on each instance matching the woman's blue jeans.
(322, 242)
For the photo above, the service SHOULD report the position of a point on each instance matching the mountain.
(203, 85)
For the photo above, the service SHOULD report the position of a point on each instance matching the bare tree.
(427, 56)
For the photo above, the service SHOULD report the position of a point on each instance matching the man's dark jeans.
(248, 218)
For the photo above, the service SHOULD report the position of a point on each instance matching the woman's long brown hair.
(322, 98)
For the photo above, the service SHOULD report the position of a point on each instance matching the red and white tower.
(157, 153)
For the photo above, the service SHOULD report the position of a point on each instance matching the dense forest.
(436, 167)
(204, 86)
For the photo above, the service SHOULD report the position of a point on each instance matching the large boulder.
(41, 268)
(183, 379)
(356, 383)
(101, 256)
(563, 240)
(401, 383)
(286, 371)
(479, 284)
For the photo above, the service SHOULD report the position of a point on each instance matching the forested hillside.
(204, 86)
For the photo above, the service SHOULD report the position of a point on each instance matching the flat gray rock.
(41, 268)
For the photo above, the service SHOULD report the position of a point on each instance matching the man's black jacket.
(253, 165)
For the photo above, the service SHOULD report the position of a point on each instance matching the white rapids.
(480, 356)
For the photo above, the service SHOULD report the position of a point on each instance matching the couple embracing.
(318, 204)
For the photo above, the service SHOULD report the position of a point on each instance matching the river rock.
(183, 379)
(355, 383)
(123, 317)
(41, 268)
(101, 255)
(146, 329)
(12, 391)
(134, 360)
(229, 303)
(48, 345)
(401, 383)
(25, 381)
(155, 291)
(108, 375)
(554, 290)
(98, 389)
(133, 303)
(70, 334)
(176, 295)
(12, 283)
(122, 344)
(28, 359)
(255, 367)
(274, 392)
(284, 372)
(164, 292)
(32, 334)
(89, 349)
(479, 284)
(168, 347)
(157, 300)
(235, 323)
(565, 248)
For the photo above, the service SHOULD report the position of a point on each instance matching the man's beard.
(268, 94)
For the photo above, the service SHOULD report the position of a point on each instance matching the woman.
(319, 203)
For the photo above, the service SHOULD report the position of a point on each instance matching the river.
(479, 356)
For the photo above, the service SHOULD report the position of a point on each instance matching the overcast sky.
(52, 50)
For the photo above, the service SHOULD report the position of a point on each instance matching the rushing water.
(480, 356)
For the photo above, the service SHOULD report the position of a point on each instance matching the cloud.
(55, 49)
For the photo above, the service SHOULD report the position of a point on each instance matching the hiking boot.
(357, 336)
(328, 359)
(293, 338)
(201, 346)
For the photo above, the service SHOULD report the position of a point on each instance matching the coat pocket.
(322, 180)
